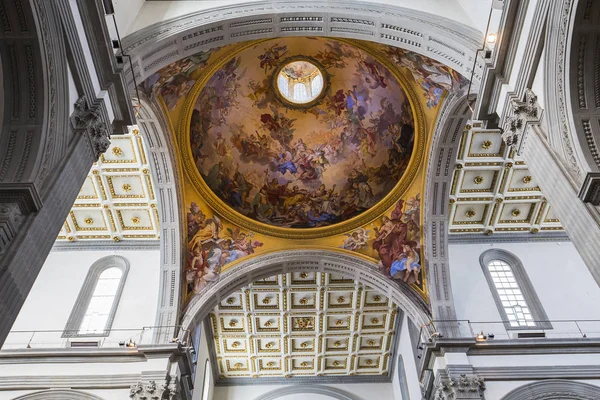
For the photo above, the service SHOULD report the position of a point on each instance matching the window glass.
(510, 294)
(101, 302)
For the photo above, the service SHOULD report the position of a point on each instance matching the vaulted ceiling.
(493, 191)
(303, 324)
(117, 200)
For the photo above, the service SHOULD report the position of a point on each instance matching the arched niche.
(442, 39)
(280, 262)
(555, 389)
(60, 394)
(304, 392)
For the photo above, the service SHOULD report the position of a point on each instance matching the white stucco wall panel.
(559, 276)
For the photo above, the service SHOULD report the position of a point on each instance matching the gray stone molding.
(281, 262)
(533, 372)
(582, 72)
(100, 245)
(521, 113)
(460, 387)
(516, 237)
(531, 298)
(402, 381)
(59, 394)
(590, 189)
(333, 393)
(163, 167)
(446, 137)
(555, 389)
(560, 137)
(87, 290)
(442, 39)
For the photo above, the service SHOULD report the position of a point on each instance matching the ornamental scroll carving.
(153, 391)
(520, 113)
(462, 387)
(88, 120)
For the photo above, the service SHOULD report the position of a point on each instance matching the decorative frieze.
(459, 388)
(520, 114)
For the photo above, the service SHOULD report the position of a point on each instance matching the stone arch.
(160, 147)
(333, 393)
(280, 262)
(554, 389)
(582, 72)
(446, 137)
(59, 394)
(163, 43)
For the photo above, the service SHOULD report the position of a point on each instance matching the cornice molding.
(440, 38)
(454, 239)
(59, 394)
(590, 189)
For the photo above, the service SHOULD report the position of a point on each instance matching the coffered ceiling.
(493, 191)
(117, 200)
(303, 324)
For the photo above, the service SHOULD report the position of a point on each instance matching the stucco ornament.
(521, 113)
(463, 387)
(153, 391)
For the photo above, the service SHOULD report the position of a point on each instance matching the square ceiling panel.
(314, 324)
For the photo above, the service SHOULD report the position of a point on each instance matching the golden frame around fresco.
(225, 211)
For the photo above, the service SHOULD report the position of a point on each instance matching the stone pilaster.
(523, 131)
(461, 387)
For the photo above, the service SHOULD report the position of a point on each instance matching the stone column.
(29, 223)
(523, 131)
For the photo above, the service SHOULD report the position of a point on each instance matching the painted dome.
(301, 132)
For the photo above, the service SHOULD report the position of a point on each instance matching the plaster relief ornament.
(301, 133)
(304, 323)
(519, 115)
(167, 390)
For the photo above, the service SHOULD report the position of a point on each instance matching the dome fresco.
(292, 157)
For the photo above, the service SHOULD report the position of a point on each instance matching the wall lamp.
(491, 38)
(480, 336)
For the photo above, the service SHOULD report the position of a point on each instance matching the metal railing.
(500, 330)
(114, 338)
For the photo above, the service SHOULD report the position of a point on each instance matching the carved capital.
(459, 388)
(88, 120)
(520, 114)
(150, 390)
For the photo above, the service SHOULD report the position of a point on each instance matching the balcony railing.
(116, 338)
(500, 330)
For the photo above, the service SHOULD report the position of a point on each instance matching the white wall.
(56, 288)
(561, 280)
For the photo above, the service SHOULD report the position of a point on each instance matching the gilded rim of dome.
(222, 209)
(300, 106)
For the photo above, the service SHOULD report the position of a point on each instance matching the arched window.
(96, 305)
(517, 302)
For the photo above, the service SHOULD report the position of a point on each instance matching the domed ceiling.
(301, 133)
(311, 143)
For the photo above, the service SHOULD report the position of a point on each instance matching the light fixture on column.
(480, 336)
(491, 38)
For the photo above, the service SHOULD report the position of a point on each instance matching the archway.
(555, 389)
(444, 40)
(442, 156)
(322, 391)
(62, 394)
(307, 260)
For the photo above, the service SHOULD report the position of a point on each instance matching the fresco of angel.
(356, 240)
